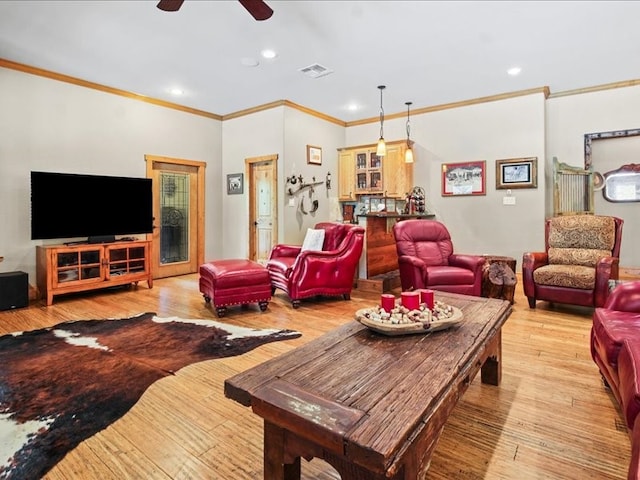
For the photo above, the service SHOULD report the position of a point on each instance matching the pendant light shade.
(381, 151)
(408, 154)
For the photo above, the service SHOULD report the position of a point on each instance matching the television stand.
(62, 269)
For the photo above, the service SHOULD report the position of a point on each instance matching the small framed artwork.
(314, 155)
(235, 183)
(467, 178)
(517, 173)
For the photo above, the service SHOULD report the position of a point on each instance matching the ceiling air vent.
(316, 71)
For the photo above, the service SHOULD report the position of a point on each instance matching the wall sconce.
(328, 181)
(408, 154)
(381, 151)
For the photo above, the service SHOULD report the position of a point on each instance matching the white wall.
(245, 137)
(284, 131)
(301, 130)
(54, 126)
(569, 118)
(511, 128)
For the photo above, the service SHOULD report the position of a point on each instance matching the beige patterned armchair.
(581, 256)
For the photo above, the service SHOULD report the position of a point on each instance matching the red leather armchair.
(615, 349)
(581, 256)
(303, 274)
(426, 259)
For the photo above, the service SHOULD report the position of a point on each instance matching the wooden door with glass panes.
(178, 210)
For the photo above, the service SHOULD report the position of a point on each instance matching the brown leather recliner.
(581, 256)
(303, 274)
(426, 259)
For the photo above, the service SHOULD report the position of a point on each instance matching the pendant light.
(408, 154)
(381, 151)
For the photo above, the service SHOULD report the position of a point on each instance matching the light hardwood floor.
(550, 418)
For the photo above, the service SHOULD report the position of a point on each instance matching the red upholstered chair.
(331, 271)
(581, 256)
(617, 320)
(426, 259)
(615, 348)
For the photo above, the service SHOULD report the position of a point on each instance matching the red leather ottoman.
(234, 282)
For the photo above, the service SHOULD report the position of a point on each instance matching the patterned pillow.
(587, 257)
(582, 231)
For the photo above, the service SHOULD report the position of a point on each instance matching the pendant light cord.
(408, 104)
(381, 87)
(408, 121)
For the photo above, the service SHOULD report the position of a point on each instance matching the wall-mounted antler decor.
(300, 183)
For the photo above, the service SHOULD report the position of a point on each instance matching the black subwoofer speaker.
(14, 290)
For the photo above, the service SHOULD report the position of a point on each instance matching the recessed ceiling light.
(513, 71)
(352, 107)
(177, 91)
(249, 62)
(268, 54)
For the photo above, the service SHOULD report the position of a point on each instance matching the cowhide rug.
(61, 385)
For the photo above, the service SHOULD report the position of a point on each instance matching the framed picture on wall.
(314, 155)
(463, 178)
(517, 173)
(235, 183)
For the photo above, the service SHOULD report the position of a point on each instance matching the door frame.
(249, 174)
(200, 173)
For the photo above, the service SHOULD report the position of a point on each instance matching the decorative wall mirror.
(623, 184)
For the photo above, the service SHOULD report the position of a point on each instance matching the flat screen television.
(99, 207)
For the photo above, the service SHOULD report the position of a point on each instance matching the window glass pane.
(174, 217)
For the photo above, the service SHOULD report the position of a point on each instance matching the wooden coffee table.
(372, 406)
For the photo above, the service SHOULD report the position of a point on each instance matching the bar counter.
(379, 252)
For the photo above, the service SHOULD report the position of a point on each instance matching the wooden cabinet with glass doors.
(62, 269)
(387, 175)
(368, 172)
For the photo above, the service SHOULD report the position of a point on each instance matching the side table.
(498, 277)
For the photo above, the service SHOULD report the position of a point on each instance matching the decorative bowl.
(401, 321)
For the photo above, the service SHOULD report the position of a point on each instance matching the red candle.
(426, 297)
(387, 302)
(411, 300)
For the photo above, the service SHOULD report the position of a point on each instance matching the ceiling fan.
(257, 8)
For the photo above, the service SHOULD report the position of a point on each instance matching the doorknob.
(255, 223)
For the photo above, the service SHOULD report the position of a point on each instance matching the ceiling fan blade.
(257, 8)
(170, 5)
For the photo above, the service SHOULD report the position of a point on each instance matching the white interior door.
(263, 206)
